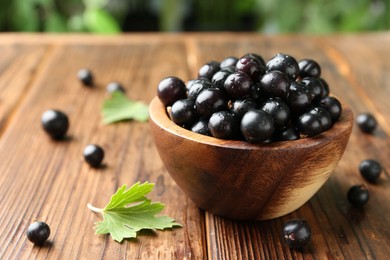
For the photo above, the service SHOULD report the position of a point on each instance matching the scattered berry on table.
(296, 233)
(55, 123)
(366, 122)
(93, 155)
(86, 77)
(38, 232)
(370, 170)
(358, 195)
(115, 86)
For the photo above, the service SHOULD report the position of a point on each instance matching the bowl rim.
(159, 116)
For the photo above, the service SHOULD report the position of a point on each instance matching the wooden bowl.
(239, 180)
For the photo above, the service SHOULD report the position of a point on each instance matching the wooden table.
(49, 181)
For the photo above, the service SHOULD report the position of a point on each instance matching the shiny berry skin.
(229, 61)
(38, 232)
(201, 126)
(55, 123)
(275, 84)
(309, 124)
(325, 86)
(299, 98)
(208, 70)
(279, 111)
(240, 107)
(223, 125)
(115, 86)
(358, 196)
(314, 85)
(93, 155)
(220, 76)
(257, 126)
(86, 77)
(210, 101)
(366, 122)
(238, 85)
(286, 134)
(250, 66)
(284, 63)
(197, 87)
(171, 89)
(309, 68)
(370, 170)
(183, 112)
(258, 58)
(296, 233)
(324, 116)
(333, 106)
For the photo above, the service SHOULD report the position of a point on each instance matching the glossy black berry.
(314, 86)
(219, 77)
(240, 107)
(309, 68)
(299, 98)
(93, 155)
(55, 123)
(250, 66)
(370, 170)
(198, 86)
(86, 77)
(309, 124)
(258, 57)
(208, 70)
(286, 134)
(183, 112)
(284, 63)
(279, 111)
(333, 106)
(366, 122)
(275, 84)
(296, 233)
(201, 126)
(358, 195)
(115, 86)
(171, 89)
(210, 101)
(224, 125)
(238, 85)
(257, 126)
(229, 61)
(324, 116)
(38, 232)
(325, 86)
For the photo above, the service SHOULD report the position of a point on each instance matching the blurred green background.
(268, 16)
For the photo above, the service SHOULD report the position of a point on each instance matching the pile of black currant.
(249, 99)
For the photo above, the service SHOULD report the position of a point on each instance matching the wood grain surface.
(49, 181)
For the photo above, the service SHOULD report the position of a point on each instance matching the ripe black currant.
(93, 155)
(370, 170)
(296, 233)
(55, 123)
(86, 77)
(38, 232)
(358, 195)
(366, 122)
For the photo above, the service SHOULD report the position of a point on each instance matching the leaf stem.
(94, 209)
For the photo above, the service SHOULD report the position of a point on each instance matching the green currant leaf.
(119, 108)
(130, 211)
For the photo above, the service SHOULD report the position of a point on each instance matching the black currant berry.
(115, 86)
(93, 155)
(198, 86)
(296, 233)
(257, 126)
(325, 89)
(309, 124)
(366, 122)
(210, 101)
(250, 66)
(229, 61)
(275, 84)
(224, 125)
(171, 89)
(284, 63)
(208, 70)
(309, 68)
(314, 85)
(240, 107)
(370, 170)
(86, 77)
(358, 195)
(55, 123)
(326, 120)
(219, 77)
(332, 105)
(183, 112)
(299, 98)
(238, 85)
(279, 111)
(286, 134)
(201, 126)
(258, 57)
(38, 232)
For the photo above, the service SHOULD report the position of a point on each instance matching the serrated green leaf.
(130, 211)
(119, 108)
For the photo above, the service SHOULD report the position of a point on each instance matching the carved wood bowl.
(242, 181)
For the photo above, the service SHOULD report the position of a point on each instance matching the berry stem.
(94, 209)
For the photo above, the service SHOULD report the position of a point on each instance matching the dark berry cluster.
(249, 99)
